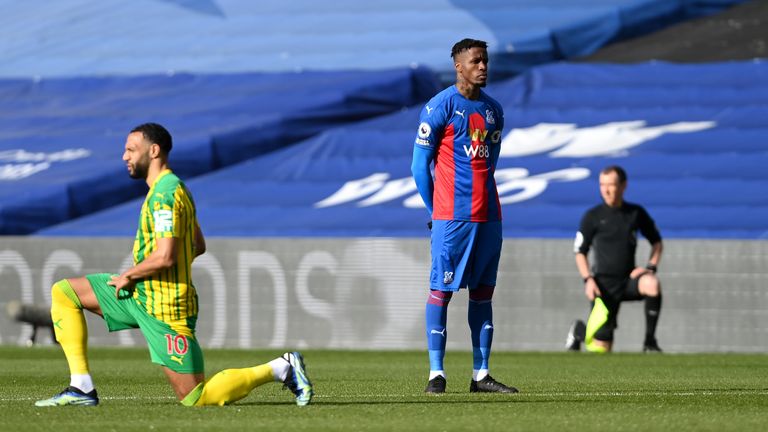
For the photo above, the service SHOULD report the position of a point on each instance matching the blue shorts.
(464, 254)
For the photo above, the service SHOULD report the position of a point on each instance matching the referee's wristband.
(651, 267)
(587, 278)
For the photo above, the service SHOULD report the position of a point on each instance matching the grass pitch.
(377, 391)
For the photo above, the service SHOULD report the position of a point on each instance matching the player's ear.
(154, 150)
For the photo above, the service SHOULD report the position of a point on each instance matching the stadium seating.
(691, 137)
(66, 101)
(86, 38)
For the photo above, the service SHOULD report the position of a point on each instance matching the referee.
(610, 230)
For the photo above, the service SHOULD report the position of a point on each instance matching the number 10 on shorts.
(176, 344)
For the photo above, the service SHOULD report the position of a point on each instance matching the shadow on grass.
(432, 400)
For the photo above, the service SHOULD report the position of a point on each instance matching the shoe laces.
(490, 382)
(74, 390)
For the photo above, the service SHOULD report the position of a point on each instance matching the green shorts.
(177, 350)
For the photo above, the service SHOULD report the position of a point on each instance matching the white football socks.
(279, 368)
(478, 374)
(433, 374)
(82, 382)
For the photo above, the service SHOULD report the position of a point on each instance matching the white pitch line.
(5, 399)
(523, 394)
(576, 394)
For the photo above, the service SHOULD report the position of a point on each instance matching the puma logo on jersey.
(179, 360)
(461, 113)
(429, 110)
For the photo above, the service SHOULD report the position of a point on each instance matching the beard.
(139, 171)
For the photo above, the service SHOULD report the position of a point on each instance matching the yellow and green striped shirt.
(168, 211)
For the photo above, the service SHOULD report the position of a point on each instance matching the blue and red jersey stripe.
(464, 137)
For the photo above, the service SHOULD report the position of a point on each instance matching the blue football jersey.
(465, 136)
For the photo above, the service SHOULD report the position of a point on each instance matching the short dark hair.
(156, 134)
(618, 170)
(465, 44)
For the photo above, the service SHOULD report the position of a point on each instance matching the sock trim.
(280, 367)
(436, 373)
(192, 397)
(68, 291)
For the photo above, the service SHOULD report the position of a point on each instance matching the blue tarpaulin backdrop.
(61, 140)
(692, 138)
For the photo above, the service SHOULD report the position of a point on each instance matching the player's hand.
(638, 271)
(591, 290)
(122, 283)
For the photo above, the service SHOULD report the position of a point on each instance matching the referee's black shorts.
(613, 291)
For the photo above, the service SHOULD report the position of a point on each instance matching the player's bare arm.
(655, 257)
(164, 257)
(653, 262)
(590, 286)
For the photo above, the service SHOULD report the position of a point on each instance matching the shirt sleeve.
(648, 227)
(422, 174)
(432, 121)
(500, 121)
(584, 235)
(166, 214)
(497, 135)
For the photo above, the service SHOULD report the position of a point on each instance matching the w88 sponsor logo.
(477, 151)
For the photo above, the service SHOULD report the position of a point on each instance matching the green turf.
(365, 391)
